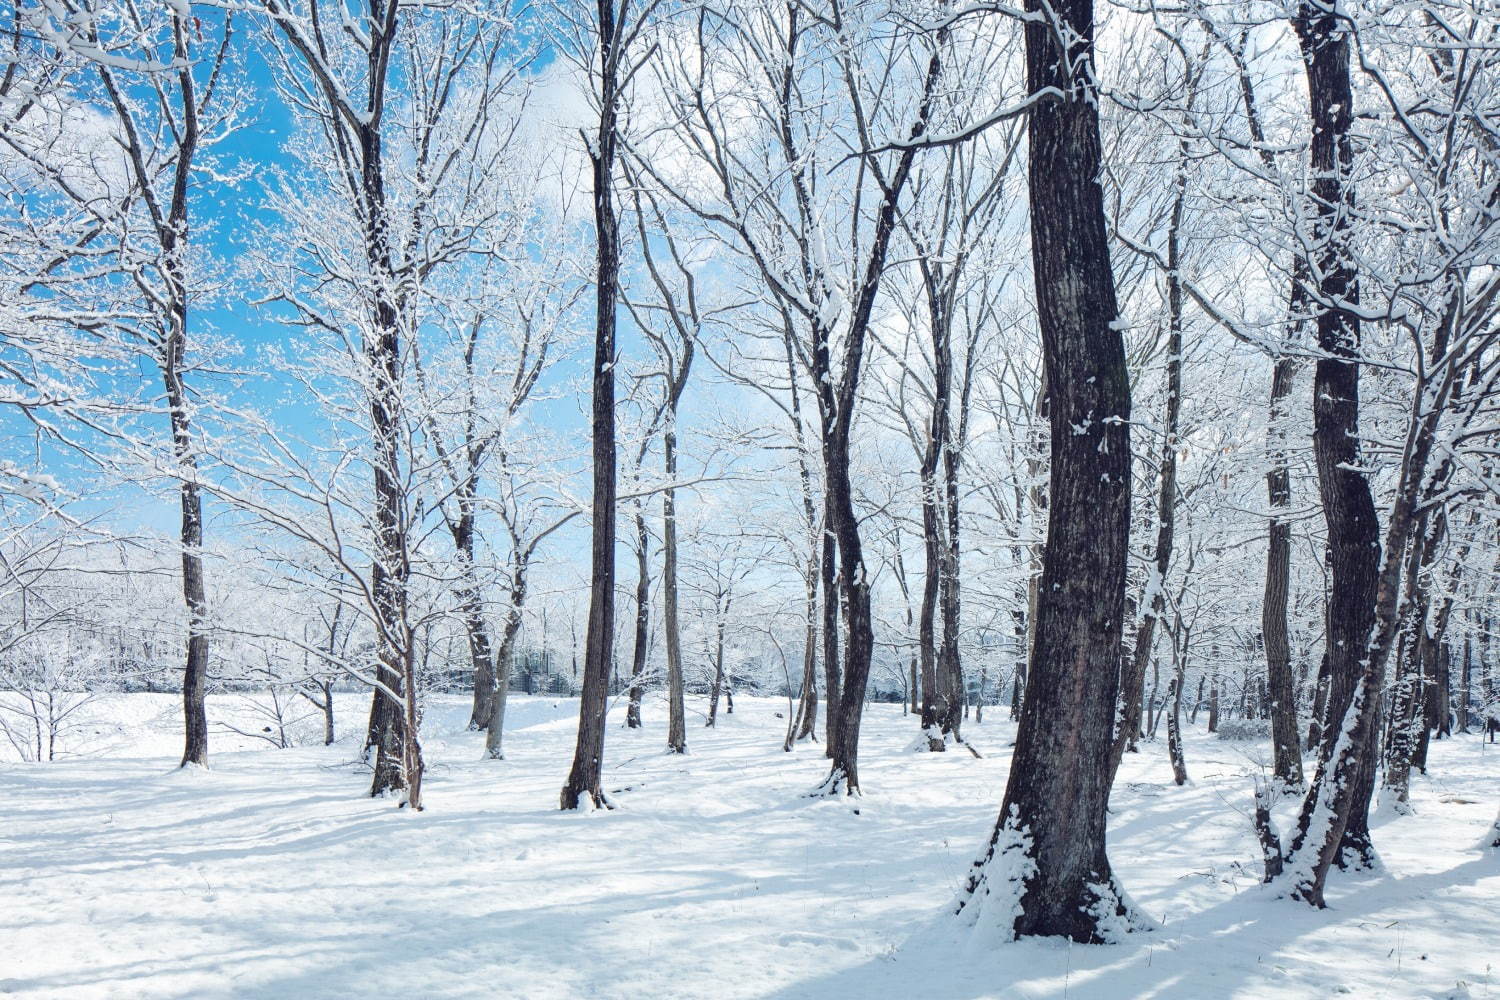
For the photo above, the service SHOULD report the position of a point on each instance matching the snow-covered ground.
(272, 875)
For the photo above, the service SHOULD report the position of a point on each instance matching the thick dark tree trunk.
(588, 755)
(1335, 812)
(859, 641)
(1053, 814)
(398, 758)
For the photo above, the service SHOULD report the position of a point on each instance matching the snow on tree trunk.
(1046, 872)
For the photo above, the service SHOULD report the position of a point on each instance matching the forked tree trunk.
(494, 737)
(836, 407)
(1334, 815)
(1053, 814)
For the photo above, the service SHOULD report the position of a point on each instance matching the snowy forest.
(750, 498)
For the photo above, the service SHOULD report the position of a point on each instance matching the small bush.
(1244, 730)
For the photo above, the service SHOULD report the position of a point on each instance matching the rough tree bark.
(1330, 821)
(1052, 818)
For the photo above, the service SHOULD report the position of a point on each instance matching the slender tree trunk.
(913, 686)
(831, 686)
(836, 407)
(327, 706)
(676, 697)
(713, 697)
(1174, 728)
(584, 777)
(494, 746)
(195, 670)
(1406, 707)
(1465, 679)
(1151, 701)
(934, 707)
(1316, 722)
(481, 652)
(950, 665)
(1284, 734)
(172, 233)
(1283, 690)
(1154, 601)
(642, 620)
(807, 704)
(1053, 814)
